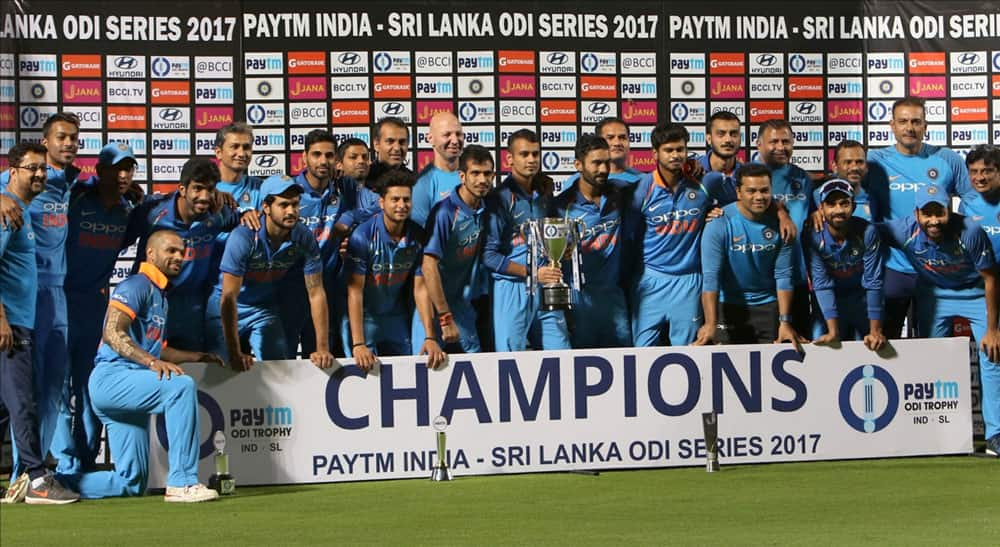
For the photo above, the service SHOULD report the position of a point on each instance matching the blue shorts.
(186, 321)
(387, 334)
(666, 301)
(259, 329)
(600, 318)
(852, 317)
(465, 320)
(517, 320)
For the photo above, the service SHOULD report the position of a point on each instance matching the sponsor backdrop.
(164, 83)
(289, 422)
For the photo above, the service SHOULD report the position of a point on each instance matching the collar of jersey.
(154, 274)
(460, 203)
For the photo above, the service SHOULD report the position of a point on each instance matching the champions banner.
(289, 422)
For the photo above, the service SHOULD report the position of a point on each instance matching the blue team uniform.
(721, 187)
(433, 185)
(791, 185)
(950, 286)
(191, 287)
(388, 267)
(668, 292)
(516, 315)
(743, 260)
(455, 237)
(866, 205)
(249, 255)
(600, 315)
(246, 192)
(48, 212)
(96, 236)
(847, 277)
(124, 393)
(986, 214)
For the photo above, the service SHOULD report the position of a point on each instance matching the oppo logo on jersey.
(753, 247)
(469, 241)
(991, 230)
(100, 227)
(198, 241)
(312, 221)
(676, 215)
(391, 267)
(906, 186)
(790, 197)
(600, 228)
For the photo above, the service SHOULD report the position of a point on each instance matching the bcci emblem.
(931, 190)
(932, 173)
(768, 234)
(692, 195)
(877, 398)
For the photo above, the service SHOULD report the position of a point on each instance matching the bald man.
(436, 181)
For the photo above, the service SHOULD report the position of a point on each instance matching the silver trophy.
(221, 481)
(548, 240)
(441, 471)
(710, 424)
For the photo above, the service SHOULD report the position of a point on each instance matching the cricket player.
(957, 277)
(847, 267)
(666, 300)
(242, 307)
(436, 181)
(234, 150)
(137, 374)
(618, 135)
(850, 163)
(454, 242)
(983, 163)
(18, 292)
(723, 138)
(600, 316)
(385, 280)
(747, 269)
(524, 195)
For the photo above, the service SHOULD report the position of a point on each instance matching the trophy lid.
(219, 440)
(440, 423)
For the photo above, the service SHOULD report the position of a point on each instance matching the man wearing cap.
(957, 277)
(98, 217)
(242, 307)
(847, 265)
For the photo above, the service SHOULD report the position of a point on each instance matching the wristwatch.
(785, 318)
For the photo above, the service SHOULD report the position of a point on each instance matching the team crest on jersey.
(796, 186)
(692, 195)
(246, 198)
(932, 173)
(768, 234)
(932, 189)
(854, 252)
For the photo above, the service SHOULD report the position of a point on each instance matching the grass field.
(916, 501)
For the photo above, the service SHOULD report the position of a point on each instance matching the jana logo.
(255, 114)
(680, 112)
(160, 66)
(797, 63)
(588, 62)
(550, 160)
(868, 420)
(217, 421)
(382, 61)
(467, 112)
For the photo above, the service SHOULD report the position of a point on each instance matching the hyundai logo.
(589, 62)
(392, 109)
(968, 58)
(382, 61)
(29, 117)
(126, 63)
(797, 63)
(557, 58)
(599, 109)
(266, 161)
(805, 108)
(255, 113)
(349, 58)
(766, 59)
(160, 66)
(170, 114)
(467, 112)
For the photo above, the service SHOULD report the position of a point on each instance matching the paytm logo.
(885, 63)
(879, 111)
(475, 61)
(171, 144)
(687, 63)
(170, 67)
(260, 64)
(805, 63)
(37, 65)
(598, 63)
(391, 61)
(687, 112)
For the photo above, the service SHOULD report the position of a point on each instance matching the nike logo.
(977, 218)
(654, 207)
(738, 239)
(87, 213)
(894, 177)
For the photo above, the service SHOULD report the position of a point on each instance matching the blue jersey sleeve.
(497, 221)
(236, 256)
(783, 267)
(978, 245)
(438, 230)
(132, 295)
(358, 254)
(874, 273)
(713, 254)
(423, 200)
(894, 232)
(5, 233)
(313, 260)
(822, 283)
(963, 185)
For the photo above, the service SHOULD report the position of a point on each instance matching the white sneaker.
(190, 494)
(17, 490)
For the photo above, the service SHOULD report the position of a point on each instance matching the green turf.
(919, 501)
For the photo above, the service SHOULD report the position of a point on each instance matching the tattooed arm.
(117, 338)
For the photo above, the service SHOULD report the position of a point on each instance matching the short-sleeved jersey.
(745, 261)
(49, 218)
(246, 192)
(387, 265)
(672, 221)
(508, 208)
(18, 269)
(455, 237)
(249, 255)
(845, 267)
(433, 185)
(607, 229)
(720, 186)
(986, 214)
(320, 211)
(143, 298)
(952, 266)
(159, 212)
(96, 236)
(895, 177)
(791, 185)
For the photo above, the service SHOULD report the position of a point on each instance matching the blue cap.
(275, 185)
(833, 186)
(930, 193)
(115, 152)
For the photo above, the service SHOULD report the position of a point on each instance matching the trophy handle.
(528, 233)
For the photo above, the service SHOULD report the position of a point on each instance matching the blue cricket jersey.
(455, 237)
(791, 185)
(249, 255)
(720, 186)
(865, 205)
(848, 267)
(608, 229)
(160, 213)
(143, 297)
(508, 208)
(19, 270)
(986, 214)
(386, 264)
(895, 177)
(433, 185)
(672, 224)
(743, 260)
(49, 218)
(246, 192)
(96, 236)
(320, 211)
(951, 266)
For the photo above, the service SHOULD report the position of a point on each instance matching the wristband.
(359, 344)
(150, 365)
(786, 318)
(430, 338)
